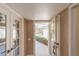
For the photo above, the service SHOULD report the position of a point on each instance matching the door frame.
(58, 33)
(34, 35)
(71, 30)
(34, 38)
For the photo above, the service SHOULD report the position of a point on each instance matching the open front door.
(55, 36)
(52, 37)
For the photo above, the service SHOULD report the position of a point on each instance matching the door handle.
(56, 43)
(12, 48)
(54, 51)
(54, 47)
(8, 51)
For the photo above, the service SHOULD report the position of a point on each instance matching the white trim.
(50, 38)
(22, 37)
(58, 34)
(49, 41)
(34, 51)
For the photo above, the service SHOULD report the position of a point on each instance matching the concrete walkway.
(41, 49)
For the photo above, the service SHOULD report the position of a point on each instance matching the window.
(2, 35)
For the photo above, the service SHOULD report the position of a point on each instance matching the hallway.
(57, 27)
(41, 49)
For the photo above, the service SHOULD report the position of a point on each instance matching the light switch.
(29, 39)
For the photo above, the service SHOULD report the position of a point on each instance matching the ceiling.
(38, 11)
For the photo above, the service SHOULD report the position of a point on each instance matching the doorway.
(41, 38)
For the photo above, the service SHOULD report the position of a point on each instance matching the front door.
(54, 36)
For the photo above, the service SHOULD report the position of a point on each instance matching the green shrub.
(42, 40)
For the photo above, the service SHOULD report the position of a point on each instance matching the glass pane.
(16, 52)
(2, 34)
(16, 38)
(2, 50)
(53, 30)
